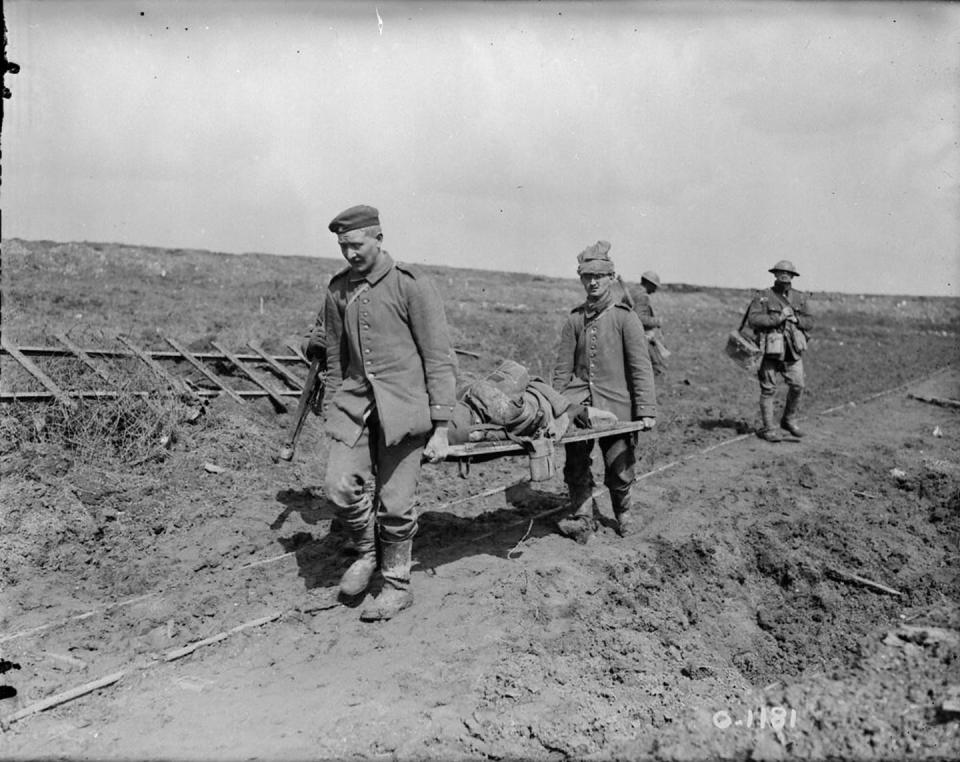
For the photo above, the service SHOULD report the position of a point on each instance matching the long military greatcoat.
(603, 361)
(388, 343)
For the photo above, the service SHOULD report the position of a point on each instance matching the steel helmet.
(652, 277)
(786, 265)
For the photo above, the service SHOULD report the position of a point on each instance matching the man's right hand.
(581, 416)
(314, 348)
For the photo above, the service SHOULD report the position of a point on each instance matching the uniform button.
(367, 351)
(365, 301)
(371, 374)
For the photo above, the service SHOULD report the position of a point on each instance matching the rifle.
(627, 298)
(310, 399)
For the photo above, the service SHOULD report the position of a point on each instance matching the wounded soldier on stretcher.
(508, 404)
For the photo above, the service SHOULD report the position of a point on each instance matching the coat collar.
(380, 269)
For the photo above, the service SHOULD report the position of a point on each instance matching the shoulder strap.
(602, 312)
(746, 312)
(365, 286)
(783, 302)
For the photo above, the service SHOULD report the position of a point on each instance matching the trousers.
(619, 466)
(373, 480)
(770, 369)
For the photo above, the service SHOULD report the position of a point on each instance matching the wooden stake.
(83, 357)
(62, 698)
(178, 384)
(942, 401)
(180, 652)
(277, 368)
(844, 576)
(192, 359)
(249, 373)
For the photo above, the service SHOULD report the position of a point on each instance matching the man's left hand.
(438, 446)
(648, 422)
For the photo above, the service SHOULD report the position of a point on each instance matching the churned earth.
(791, 600)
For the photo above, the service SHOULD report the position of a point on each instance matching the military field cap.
(353, 218)
(595, 259)
(785, 265)
(651, 277)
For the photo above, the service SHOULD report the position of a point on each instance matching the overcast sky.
(704, 140)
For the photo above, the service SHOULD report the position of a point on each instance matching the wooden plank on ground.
(942, 401)
(286, 375)
(192, 359)
(161, 372)
(38, 374)
(253, 376)
(62, 698)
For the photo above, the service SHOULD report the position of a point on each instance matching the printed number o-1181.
(776, 717)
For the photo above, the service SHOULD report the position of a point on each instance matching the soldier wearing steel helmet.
(650, 283)
(781, 319)
(640, 303)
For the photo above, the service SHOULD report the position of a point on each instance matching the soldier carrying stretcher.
(391, 371)
(603, 362)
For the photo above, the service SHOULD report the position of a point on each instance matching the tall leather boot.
(790, 409)
(356, 579)
(581, 525)
(396, 594)
(622, 501)
(767, 431)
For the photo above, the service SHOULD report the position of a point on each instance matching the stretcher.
(540, 451)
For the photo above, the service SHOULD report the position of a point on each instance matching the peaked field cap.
(355, 217)
(595, 259)
(651, 277)
(785, 265)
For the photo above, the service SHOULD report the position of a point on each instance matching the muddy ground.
(811, 585)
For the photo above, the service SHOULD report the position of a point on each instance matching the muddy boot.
(396, 594)
(767, 430)
(789, 420)
(356, 579)
(622, 500)
(581, 525)
(625, 523)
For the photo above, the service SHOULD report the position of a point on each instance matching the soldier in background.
(659, 353)
(781, 320)
(602, 362)
(391, 371)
